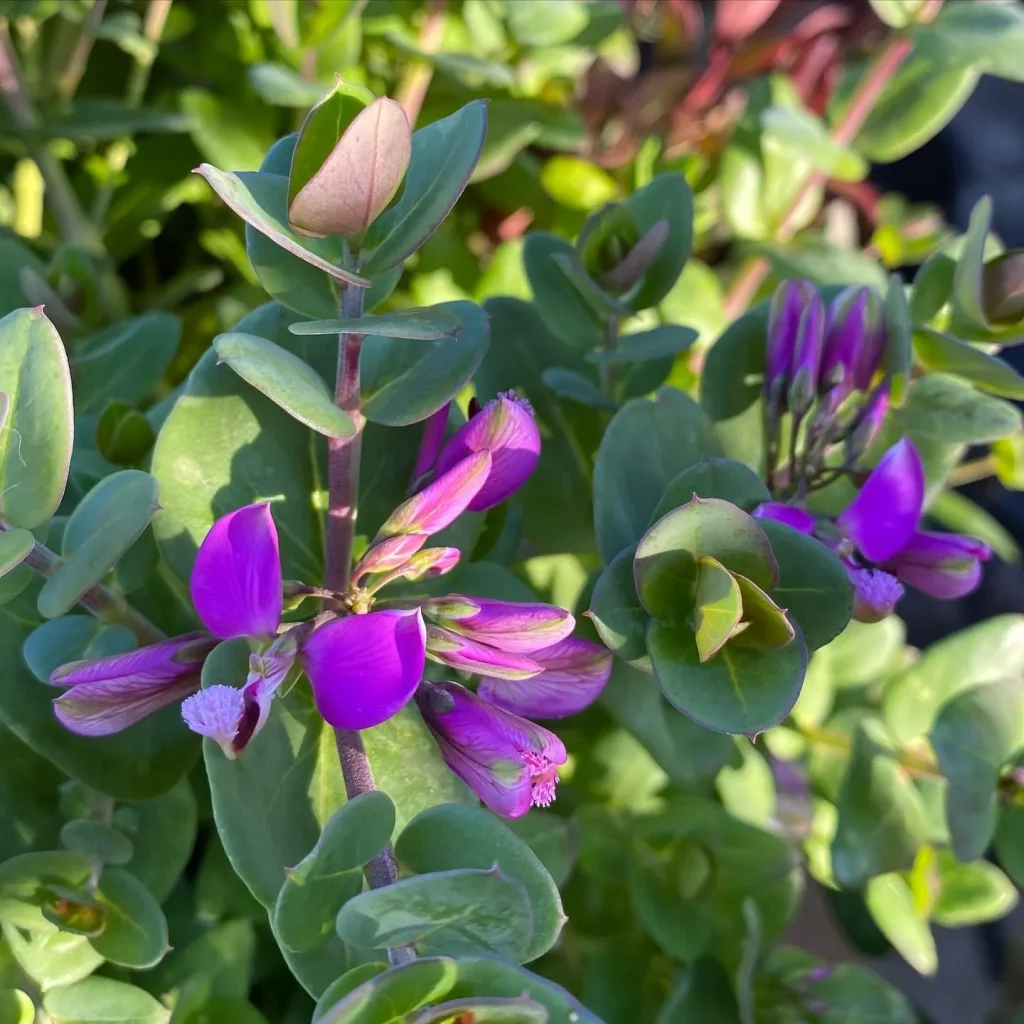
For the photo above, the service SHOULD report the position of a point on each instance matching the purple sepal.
(854, 340)
(788, 303)
(513, 626)
(466, 655)
(509, 762)
(236, 580)
(575, 673)
(810, 339)
(365, 668)
(943, 565)
(869, 422)
(797, 518)
(505, 427)
(883, 517)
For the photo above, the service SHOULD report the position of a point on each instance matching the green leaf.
(738, 691)
(970, 894)
(16, 1007)
(15, 546)
(552, 838)
(665, 567)
(103, 1001)
(718, 607)
(568, 315)
(983, 653)
(948, 410)
(814, 258)
(51, 958)
(618, 615)
(954, 511)
(123, 435)
(647, 444)
(881, 817)
(643, 346)
(279, 85)
(892, 907)
(467, 910)
(968, 300)
(933, 284)
(224, 445)
(71, 638)
(897, 13)
(747, 791)
(813, 587)
(431, 324)
(714, 478)
(665, 197)
(36, 435)
(135, 934)
(124, 362)
(109, 520)
(899, 353)
(404, 381)
(704, 995)
(576, 183)
(331, 873)
(795, 130)
(987, 35)
(286, 380)
(443, 157)
(1009, 841)
(549, 23)
(260, 199)
(765, 626)
(974, 736)
(231, 131)
(98, 840)
(944, 353)
(575, 387)
(855, 995)
(450, 836)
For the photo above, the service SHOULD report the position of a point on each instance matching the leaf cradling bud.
(612, 250)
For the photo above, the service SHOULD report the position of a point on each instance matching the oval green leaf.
(618, 615)
(136, 930)
(15, 546)
(718, 607)
(714, 478)
(944, 353)
(430, 324)
(104, 1001)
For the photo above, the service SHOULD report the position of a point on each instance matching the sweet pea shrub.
(452, 543)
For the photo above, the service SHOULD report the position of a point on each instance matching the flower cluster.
(824, 385)
(364, 657)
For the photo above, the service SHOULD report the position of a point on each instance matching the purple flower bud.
(110, 694)
(575, 673)
(869, 423)
(797, 518)
(788, 303)
(443, 501)
(810, 340)
(365, 668)
(944, 565)
(514, 626)
(466, 655)
(504, 427)
(236, 579)
(431, 562)
(430, 446)
(854, 341)
(389, 554)
(510, 762)
(884, 516)
(875, 592)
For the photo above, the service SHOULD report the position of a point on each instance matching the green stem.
(973, 471)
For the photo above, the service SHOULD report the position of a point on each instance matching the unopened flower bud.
(348, 164)
(869, 424)
(788, 304)
(513, 626)
(1002, 289)
(810, 338)
(854, 342)
(612, 250)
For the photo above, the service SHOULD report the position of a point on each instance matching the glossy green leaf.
(444, 154)
(948, 410)
(665, 197)
(765, 625)
(983, 653)
(798, 131)
(987, 35)
(431, 324)
(575, 387)
(280, 85)
(124, 362)
(123, 434)
(704, 995)
(16, 1007)
(814, 258)
(1009, 841)
(665, 567)
(404, 381)
(15, 546)
(968, 301)
(714, 478)
(449, 836)
(104, 1001)
(467, 910)
(71, 638)
(944, 353)
(109, 520)
(51, 958)
(891, 904)
(881, 818)
(747, 790)
(551, 23)
(643, 346)
(552, 838)
(899, 353)
(260, 199)
(577, 183)
(646, 445)
(933, 284)
(813, 587)
(975, 734)
(331, 873)
(135, 934)
(738, 691)
(97, 839)
(617, 613)
(718, 607)
(970, 894)
(854, 994)
(286, 380)
(566, 312)
(36, 436)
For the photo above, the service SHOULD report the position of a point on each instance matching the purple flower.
(509, 762)
(467, 655)
(810, 340)
(575, 673)
(504, 427)
(797, 518)
(513, 626)
(365, 668)
(854, 342)
(875, 592)
(788, 304)
(869, 422)
(110, 694)
(944, 565)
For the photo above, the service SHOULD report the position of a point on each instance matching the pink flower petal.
(111, 705)
(797, 518)
(514, 626)
(466, 655)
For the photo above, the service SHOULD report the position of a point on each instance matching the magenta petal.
(430, 445)
(365, 668)
(467, 655)
(389, 554)
(883, 517)
(797, 518)
(943, 583)
(930, 549)
(162, 662)
(507, 791)
(875, 593)
(110, 705)
(575, 673)
(236, 579)
(505, 427)
(514, 626)
(433, 508)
